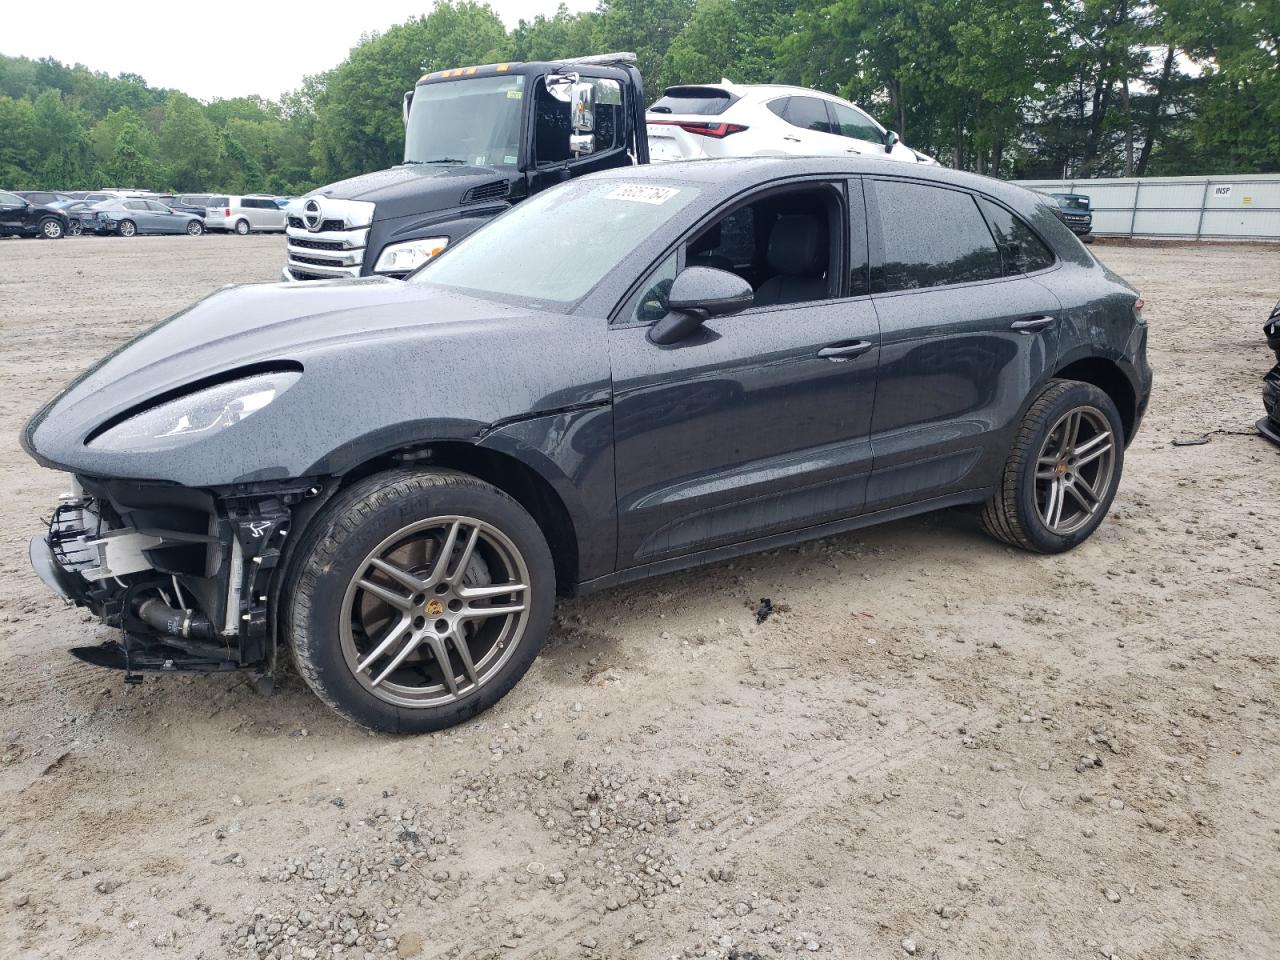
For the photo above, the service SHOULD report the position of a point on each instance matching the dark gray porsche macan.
(631, 373)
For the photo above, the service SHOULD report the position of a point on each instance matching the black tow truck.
(477, 140)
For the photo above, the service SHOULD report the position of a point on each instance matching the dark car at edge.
(633, 373)
(19, 217)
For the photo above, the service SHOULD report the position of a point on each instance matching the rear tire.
(375, 616)
(242, 227)
(1062, 473)
(50, 229)
(127, 228)
(194, 228)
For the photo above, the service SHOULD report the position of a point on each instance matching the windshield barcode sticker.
(638, 193)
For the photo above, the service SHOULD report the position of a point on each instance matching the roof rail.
(602, 58)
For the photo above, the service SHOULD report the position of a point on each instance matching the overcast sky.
(230, 48)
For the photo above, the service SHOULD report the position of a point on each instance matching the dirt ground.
(938, 746)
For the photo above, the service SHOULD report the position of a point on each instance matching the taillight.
(1137, 309)
(227, 212)
(717, 130)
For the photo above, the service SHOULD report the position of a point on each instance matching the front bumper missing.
(115, 545)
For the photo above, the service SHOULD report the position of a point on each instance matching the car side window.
(808, 113)
(649, 303)
(11, 200)
(779, 107)
(135, 205)
(931, 237)
(156, 206)
(1020, 248)
(850, 123)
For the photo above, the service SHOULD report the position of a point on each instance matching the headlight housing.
(195, 415)
(403, 257)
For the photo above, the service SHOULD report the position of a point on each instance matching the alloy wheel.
(52, 229)
(1074, 470)
(434, 611)
(76, 229)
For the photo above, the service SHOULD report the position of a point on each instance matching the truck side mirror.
(408, 101)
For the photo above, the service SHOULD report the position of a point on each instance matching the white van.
(244, 215)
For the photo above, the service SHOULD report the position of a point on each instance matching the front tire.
(395, 603)
(50, 229)
(242, 227)
(1062, 473)
(76, 228)
(127, 228)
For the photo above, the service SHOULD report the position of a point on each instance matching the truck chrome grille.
(327, 238)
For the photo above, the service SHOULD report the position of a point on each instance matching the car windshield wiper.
(438, 160)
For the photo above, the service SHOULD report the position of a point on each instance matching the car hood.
(400, 362)
(413, 188)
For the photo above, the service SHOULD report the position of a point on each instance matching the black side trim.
(539, 414)
(647, 570)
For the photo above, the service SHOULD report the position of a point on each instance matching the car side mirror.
(891, 139)
(698, 294)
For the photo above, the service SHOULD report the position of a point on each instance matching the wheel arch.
(510, 474)
(1109, 377)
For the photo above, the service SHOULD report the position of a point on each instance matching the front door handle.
(792, 139)
(846, 350)
(1032, 324)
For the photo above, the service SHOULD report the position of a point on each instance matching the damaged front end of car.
(186, 575)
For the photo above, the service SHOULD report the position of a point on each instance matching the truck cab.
(477, 140)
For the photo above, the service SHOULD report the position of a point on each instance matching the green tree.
(563, 34)
(645, 27)
(129, 165)
(358, 115)
(734, 39)
(190, 147)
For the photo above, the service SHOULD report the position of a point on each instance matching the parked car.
(1074, 210)
(631, 373)
(702, 121)
(195, 204)
(44, 198)
(244, 215)
(129, 218)
(1269, 426)
(81, 216)
(20, 217)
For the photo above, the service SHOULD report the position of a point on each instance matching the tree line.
(1024, 88)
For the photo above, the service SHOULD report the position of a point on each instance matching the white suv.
(244, 215)
(762, 120)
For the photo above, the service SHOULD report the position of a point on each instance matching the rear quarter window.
(1020, 249)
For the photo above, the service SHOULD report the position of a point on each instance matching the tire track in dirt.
(806, 779)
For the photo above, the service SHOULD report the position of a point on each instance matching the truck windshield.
(1072, 201)
(473, 120)
(556, 246)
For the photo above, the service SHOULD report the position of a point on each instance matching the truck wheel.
(242, 227)
(1062, 473)
(51, 228)
(127, 228)
(418, 599)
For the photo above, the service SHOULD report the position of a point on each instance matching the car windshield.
(473, 121)
(1071, 201)
(558, 245)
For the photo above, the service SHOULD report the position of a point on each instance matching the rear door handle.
(846, 350)
(1032, 324)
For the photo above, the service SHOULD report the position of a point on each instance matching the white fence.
(1245, 207)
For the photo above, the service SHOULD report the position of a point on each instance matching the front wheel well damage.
(516, 479)
(1111, 380)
